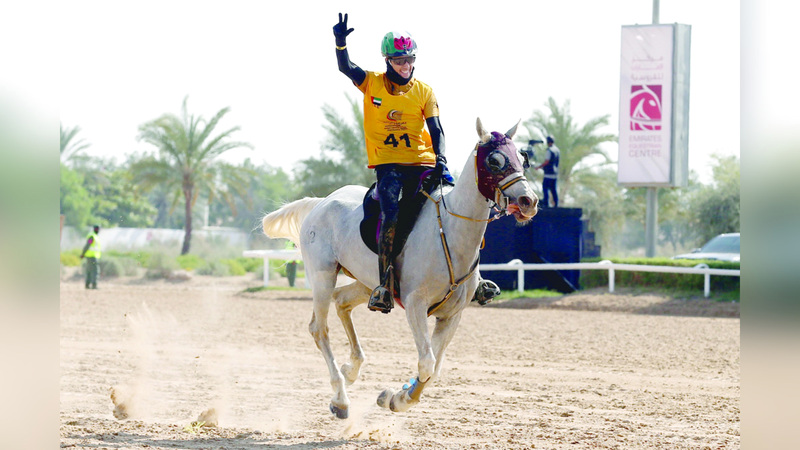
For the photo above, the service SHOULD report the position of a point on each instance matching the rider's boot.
(486, 291)
(382, 298)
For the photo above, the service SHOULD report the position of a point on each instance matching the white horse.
(437, 268)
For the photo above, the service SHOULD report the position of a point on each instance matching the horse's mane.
(285, 222)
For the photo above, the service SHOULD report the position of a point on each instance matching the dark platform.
(555, 235)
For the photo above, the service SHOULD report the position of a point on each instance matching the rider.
(397, 108)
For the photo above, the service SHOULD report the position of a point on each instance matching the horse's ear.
(510, 133)
(482, 133)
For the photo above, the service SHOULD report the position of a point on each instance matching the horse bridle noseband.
(494, 170)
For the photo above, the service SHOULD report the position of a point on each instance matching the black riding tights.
(397, 184)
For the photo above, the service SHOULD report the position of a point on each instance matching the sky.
(274, 65)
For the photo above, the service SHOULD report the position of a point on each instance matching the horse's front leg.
(417, 315)
(346, 298)
(443, 333)
(322, 292)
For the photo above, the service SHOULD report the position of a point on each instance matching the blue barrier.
(553, 236)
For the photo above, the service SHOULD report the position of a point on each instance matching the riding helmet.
(398, 43)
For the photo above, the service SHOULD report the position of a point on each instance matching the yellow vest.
(94, 249)
(394, 125)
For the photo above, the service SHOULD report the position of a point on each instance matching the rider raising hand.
(397, 108)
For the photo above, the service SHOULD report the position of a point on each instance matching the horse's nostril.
(525, 202)
(535, 202)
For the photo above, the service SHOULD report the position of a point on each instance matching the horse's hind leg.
(324, 283)
(346, 298)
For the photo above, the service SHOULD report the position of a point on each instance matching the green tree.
(675, 225)
(76, 204)
(577, 144)
(71, 148)
(715, 208)
(267, 188)
(603, 204)
(344, 158)
(122, 203)
(107, 192)
(185, 161)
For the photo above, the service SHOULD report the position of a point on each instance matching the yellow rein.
(454, 284)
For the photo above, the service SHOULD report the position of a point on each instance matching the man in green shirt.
(91, 251)
(291, 265)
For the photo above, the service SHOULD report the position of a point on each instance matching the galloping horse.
(432, 283)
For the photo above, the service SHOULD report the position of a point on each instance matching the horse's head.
(500, 175)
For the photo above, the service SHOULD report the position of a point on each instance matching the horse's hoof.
(385, 398)
(340, 413)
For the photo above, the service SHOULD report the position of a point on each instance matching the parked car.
(724, 247)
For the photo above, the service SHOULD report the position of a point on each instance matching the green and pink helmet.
(397, 43)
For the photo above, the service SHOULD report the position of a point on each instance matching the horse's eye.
(496, 162)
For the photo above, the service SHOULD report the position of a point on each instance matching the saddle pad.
(409, 211)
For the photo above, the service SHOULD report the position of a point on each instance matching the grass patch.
(534, 293)
(274, 288)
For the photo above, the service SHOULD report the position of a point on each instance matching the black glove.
(442, 171)
(341, 31)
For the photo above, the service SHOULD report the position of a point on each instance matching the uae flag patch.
(376, 101)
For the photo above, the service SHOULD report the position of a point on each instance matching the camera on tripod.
(527, 153)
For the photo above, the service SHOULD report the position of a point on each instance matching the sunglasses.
(402, 60)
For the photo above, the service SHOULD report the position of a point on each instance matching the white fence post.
(610, 275)
(266, 272)
(706, 280)
(520, 274)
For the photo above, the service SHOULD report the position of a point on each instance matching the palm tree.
(69, 148)
(185, 162)
(577, 143)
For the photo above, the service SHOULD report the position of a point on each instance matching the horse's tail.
(285, 222)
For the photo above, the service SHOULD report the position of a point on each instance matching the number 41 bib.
(394, 125)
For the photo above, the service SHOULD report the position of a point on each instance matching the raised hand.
(341, 31)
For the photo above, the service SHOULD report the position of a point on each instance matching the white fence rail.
(700, 269)
(520, 267)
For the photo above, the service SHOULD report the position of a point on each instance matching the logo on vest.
(376, 101)
(395, 115)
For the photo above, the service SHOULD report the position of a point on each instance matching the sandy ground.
(589, 370)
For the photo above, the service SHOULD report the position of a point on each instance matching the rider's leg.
(389, 187)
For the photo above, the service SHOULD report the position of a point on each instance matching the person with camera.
(397, 108)
(550, 167)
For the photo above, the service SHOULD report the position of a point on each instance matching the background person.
(291, 265)
(550, 167)
(91, 251)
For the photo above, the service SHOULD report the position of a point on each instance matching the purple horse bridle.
(497, 168)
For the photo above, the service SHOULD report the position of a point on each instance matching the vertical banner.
(647, 82)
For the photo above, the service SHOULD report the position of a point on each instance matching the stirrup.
(381, 300)
(382, 297)
(485, 292)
